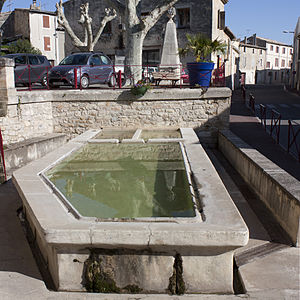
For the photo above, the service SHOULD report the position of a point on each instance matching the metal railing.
(2, 157)
(275, 124)
(263, 115)
(293, 133)
(293, 139)
(252, 102)
(169, 75)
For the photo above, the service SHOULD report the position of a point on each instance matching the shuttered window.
(46, 22)
(47, 43)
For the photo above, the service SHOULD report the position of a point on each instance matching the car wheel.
(112, 80)
(84, 82)
(44, 80)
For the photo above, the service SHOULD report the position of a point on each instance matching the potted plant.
(140, 88)
(201, 47)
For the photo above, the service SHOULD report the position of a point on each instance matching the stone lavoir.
(139, 253)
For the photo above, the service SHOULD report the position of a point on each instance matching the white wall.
(37, 34)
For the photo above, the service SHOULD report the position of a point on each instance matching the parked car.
(30, 68)
(147, 73)
(91, 68)
(185, 76)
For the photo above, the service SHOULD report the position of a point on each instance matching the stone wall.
(151, 111)
(26, 120)
(71, 112)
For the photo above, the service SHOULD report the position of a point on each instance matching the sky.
(266, 18)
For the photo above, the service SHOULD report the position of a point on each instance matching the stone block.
(208, 273)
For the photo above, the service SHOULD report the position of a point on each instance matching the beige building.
(278, 59)
(39, 27)
(252, 63)
(295, 79)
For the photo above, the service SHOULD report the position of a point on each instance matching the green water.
(160, 134)
(125, 181)
(115, 134)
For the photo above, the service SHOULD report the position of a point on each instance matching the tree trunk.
(134, 46)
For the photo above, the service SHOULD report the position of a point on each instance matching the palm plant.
(201, 47)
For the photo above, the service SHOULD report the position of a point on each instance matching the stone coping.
(98, 95)
(223, 226)
(275, 187)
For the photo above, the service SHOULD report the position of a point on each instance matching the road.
(279, 100)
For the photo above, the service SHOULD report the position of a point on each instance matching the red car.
(185, 76)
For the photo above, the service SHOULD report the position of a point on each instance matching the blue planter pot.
(200, 73)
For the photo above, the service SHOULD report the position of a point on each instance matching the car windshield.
(75, 60)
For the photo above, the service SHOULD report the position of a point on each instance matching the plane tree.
(136, 28)
(90, 40)
(1, 4)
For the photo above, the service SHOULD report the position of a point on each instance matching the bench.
(173, 75)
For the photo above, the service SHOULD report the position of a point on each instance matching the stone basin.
(161, 256)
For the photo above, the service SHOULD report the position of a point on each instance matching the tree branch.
(86, 21)
(1, 4)
(110, 14)
(61, 19)
(156, 13)
(118, 6)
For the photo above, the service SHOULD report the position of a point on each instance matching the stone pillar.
(170, 61)
(7, 83)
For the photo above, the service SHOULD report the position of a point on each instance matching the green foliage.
(22, 46)
(201, 47)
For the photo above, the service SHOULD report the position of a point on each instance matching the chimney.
(254, 39)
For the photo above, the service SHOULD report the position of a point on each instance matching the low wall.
(33, 113)
(19, 154)
(275, 187)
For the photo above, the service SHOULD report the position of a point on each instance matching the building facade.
(252, 63)
(39, 27)
(295, 79)
(278, 60)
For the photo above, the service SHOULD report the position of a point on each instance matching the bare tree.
(89, 41)
(137, 27)
(1, 4)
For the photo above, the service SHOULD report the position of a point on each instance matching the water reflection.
(125, 187)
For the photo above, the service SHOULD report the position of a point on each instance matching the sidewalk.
(248, 128)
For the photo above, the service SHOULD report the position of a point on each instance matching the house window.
(271, 48)
(277, 49)
(253, 51)
(276, 62)
(283, 63)
(268, 65)
(46, 22)
(47, 43)
(283, 50)
(183, 17)
(221, 20)
(107, 28)
(260, 52)
(244, 49)
(291, 51)
(151, 57)
(290, 63)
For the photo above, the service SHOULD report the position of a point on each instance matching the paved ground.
(248, 127)
(280, 100)
(268, 266)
